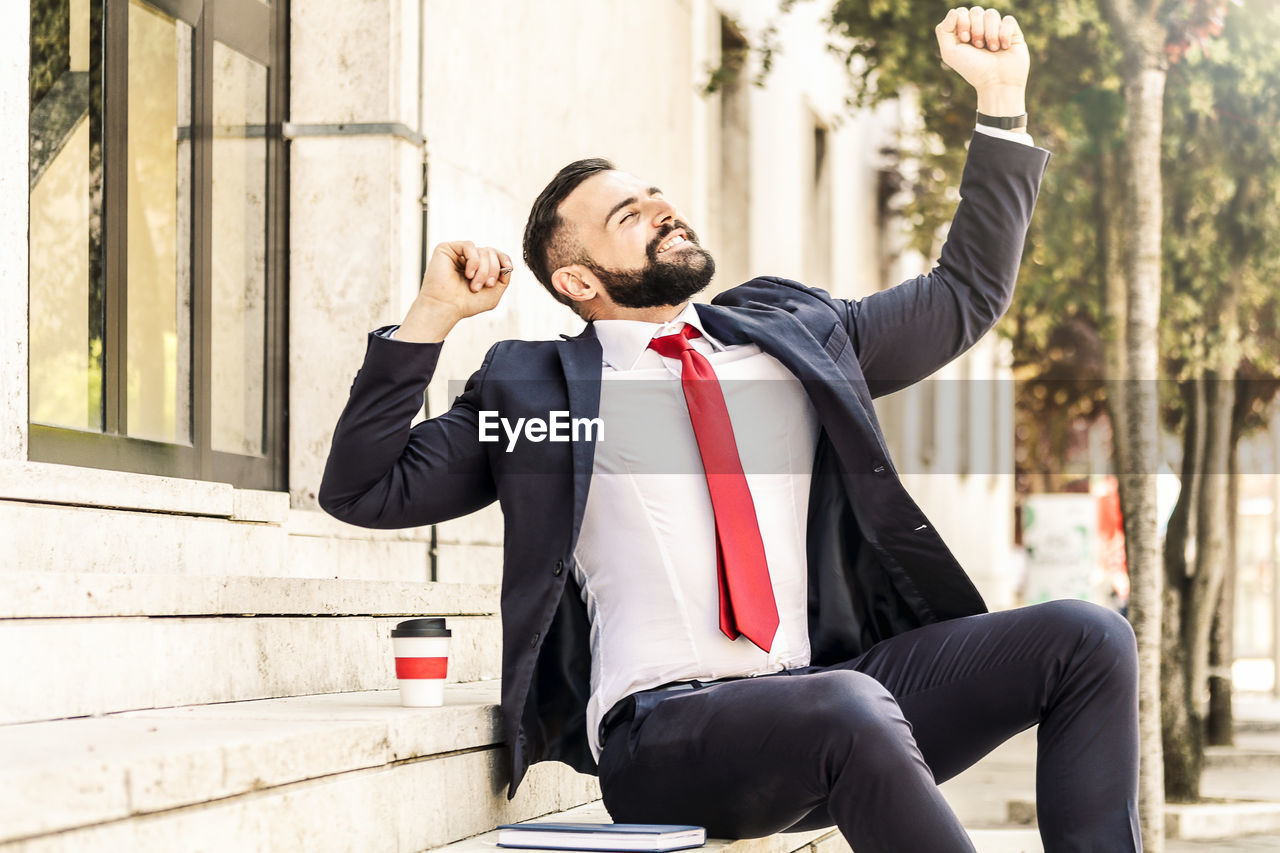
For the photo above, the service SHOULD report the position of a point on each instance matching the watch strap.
(1003, 122)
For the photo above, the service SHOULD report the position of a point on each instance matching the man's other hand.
(990, 53)
(462, 280)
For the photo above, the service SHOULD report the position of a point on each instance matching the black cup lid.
(422, 628)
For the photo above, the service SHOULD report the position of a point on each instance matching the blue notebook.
(655, 837)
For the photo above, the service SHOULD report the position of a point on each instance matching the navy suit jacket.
(876, 566)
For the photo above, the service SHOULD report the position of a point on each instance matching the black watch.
(1003, 122)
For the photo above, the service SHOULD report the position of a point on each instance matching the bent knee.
(1103, 632)
(1092, 618)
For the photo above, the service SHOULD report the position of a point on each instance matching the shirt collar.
(624, 341)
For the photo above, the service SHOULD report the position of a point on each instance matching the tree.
(1126, 47)
(1222, 162)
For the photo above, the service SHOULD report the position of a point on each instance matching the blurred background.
(222, 198)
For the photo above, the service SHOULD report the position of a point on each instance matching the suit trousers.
(863, 744)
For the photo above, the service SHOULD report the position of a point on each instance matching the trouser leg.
(729, 756)
(967, 685)
(752, 757)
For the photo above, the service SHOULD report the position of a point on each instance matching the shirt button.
(559, 568)
(534, 642)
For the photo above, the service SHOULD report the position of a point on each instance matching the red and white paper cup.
(422, 661)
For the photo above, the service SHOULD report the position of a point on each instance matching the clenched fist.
(990, 53)
(462, 280)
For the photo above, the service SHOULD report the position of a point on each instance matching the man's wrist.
(428, 321)
(1002, 102)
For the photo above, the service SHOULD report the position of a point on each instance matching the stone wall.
(15, 21)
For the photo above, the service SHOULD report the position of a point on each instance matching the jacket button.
(534, 642)
(559, 568)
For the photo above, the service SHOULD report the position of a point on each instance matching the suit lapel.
(581, 357)
(782, 335)
(779, 333)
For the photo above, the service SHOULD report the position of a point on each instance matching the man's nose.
(662, 212)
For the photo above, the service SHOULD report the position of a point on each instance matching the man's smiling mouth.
(675, 239)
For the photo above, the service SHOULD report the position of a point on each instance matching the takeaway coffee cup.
(422, 661)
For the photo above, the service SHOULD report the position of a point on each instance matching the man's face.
(634, 242)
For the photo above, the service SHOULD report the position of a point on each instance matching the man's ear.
(576, 282)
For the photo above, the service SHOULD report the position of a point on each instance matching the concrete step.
(820, 840)
(27, 595)
(68, 667)
(1212, 821)
(815, 841)
(352, 771)
(1205, 821)
(307, 635)
(1256, 712)
(1242, 757)
(1006, 840)
(291, 543)
(62, 518)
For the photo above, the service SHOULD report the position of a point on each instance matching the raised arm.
(905, 333)
(382, 473)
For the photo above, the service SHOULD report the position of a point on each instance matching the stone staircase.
(333, 771)
(191, 666)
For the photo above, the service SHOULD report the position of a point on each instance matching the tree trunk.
(1115, 369)
(1220, 727)
(1180, 727)
(1142, 39)
(1144, 89)
(1215, 518)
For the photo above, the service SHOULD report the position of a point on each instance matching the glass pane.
(66, 276)
(158, 390)
(239, 250)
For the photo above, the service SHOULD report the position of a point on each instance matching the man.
(775, 638)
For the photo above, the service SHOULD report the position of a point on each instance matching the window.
(733, 200)
(156, 237)
(817, 255)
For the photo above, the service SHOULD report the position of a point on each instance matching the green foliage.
(735, 60)
(1221, 171)
(1221, 154)
(50, 44)
(1076, 110)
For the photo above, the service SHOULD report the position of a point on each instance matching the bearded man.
(723, 601)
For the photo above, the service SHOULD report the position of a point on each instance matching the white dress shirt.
(646, 554)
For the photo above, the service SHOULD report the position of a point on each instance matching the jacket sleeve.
(382, 473)
(904, 333)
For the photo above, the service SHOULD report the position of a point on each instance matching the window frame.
(261, 33)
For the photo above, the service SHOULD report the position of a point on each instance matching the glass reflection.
(65, 180)
(158, 380)
(239, 250)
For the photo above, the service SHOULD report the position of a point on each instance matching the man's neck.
(657, 314)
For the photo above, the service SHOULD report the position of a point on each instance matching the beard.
(661, 281)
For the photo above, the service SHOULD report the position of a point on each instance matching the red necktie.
(746, 595)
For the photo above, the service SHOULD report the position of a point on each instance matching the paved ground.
(980, 794)
(1254, 843)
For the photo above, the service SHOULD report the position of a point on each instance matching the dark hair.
(546, 246)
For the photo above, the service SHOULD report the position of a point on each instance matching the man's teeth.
(674, 241)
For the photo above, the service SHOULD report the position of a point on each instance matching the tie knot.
(674, 345)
